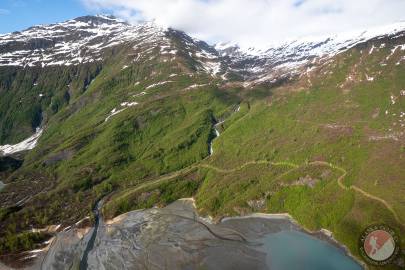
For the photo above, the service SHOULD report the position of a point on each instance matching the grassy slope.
(31, 95)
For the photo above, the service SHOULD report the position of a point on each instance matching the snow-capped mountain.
(287, 58)
(72, 42)
(86, 39)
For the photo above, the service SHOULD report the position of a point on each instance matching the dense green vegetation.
(29, 96)
(13, 242)
(159, 194)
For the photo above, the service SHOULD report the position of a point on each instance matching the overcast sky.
(253, 22)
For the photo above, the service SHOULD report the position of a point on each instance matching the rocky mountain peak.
(86, 38)
(100, 19)
(72, 42)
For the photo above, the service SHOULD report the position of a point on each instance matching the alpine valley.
(105, 128)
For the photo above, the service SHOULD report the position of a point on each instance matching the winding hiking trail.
(266, 162)
(357, 189)
(295, 166)
(241, 167)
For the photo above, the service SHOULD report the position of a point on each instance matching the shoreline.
(322, 234)
(189, 206)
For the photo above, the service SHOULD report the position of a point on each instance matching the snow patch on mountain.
(290, 56)
(25, 145)
(73, 42)
(124, 106)
(194, 86)
(211, 67)
(158, 84)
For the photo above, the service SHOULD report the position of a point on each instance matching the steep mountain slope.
(42, 68)
(315, 129)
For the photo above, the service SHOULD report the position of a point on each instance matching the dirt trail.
(258, 162)
(294, 166)
(357, 189)
(339, 180)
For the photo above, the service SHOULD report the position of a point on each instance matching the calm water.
(294, 250)
(2, 185)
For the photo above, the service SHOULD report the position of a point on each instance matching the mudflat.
(175, 237)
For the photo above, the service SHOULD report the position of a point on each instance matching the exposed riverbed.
(175, 237)
(99, 223)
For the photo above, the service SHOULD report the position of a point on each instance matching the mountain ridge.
(103, 31)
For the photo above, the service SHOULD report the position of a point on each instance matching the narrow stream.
(90, 244)
(217, 133)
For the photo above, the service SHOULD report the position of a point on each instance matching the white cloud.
(256, 22)
(4, 11)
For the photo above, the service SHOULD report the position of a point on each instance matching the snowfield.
(25, 145)
(124, 106)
